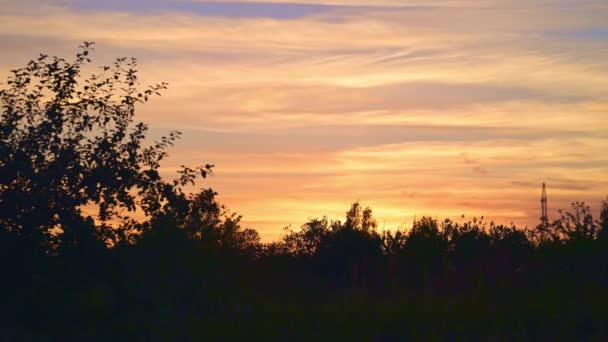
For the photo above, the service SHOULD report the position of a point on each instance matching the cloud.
(422, 107)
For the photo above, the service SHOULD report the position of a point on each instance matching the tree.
(393, 243)
(359, 218)
(68, 140)
(425, 251)
(311, 236)
(603, 221)
(510, 246)
(577, 225)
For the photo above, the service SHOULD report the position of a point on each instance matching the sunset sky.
(413, 107)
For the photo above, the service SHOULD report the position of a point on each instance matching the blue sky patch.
(222, 9)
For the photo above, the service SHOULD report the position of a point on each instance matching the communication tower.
(544, 220)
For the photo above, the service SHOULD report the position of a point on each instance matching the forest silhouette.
(191, 271)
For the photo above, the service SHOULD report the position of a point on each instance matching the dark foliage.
(190, 271)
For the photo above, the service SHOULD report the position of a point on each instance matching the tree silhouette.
(359, 218)
(578, 224)
(70, 140)
(311, 236)
(603, 221)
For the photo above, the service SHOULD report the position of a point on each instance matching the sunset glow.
(441, 108)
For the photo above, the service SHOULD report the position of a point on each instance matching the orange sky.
(415, 108)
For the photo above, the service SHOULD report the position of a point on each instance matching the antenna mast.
(544, 220)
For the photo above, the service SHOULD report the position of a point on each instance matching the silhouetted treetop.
(70, 140)
(359, 218)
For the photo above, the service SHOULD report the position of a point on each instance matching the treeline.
(190, 271)
(209, 278)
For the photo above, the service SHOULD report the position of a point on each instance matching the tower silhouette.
(544, 220)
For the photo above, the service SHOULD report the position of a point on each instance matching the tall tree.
(68, 140)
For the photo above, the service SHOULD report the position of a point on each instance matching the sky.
(440, 108)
